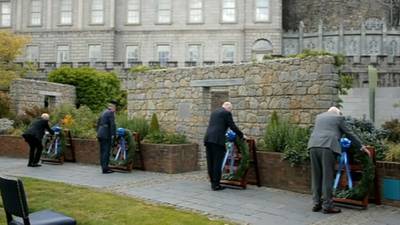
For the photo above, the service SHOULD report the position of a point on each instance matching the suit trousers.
(105, 148)
(215, 156)
(322, 174)
(35, 148)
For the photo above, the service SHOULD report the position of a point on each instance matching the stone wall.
(181, 98)
(27, 93)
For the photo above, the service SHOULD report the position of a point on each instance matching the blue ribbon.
(231, 136)
(122, 148)
(345, 144)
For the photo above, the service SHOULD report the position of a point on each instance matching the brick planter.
(389, 171)
(170, 158)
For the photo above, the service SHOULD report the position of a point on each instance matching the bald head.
(335, 110)
(227, 106)
(45, 116)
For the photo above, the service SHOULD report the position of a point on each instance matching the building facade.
(155, 32)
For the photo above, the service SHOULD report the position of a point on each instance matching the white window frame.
(66, 53)
(28, 53)
(90, 53)
(257, 8)
(127, 53)
(224, 8)
(4, 14)
(223, 46)
(200, 52)
(162, 62)
(94, 10)
(193, 8)
(160, 10)
(67, 12)
(136, 11)
(36, 13)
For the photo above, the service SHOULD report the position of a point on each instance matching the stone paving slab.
(191, 191)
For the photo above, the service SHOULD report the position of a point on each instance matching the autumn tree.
(11, 46)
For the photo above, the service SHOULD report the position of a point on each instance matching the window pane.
(66, 18)
(228, 15)
(6, 21)
(133, 17)
(194, 53)
(63, 53)
(262, 13)
(262, 3)
(6, 8)
(36, 6)
(196, 15)
(32, 53)
(164, 4)
(97, 4)
(196, 4)
(133, 5)
(97, 17)
(66, 5)
(163, 53)
(229, 4)
(164, 16)
(132, 54)
(94, 52)
(228, 52)
(35, 19)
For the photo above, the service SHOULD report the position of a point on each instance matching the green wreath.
(243, 149)
(359, 191)
(47, 140)
(130, 142)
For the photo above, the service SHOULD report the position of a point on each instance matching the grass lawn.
(93, 207)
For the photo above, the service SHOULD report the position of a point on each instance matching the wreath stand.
(67, 154)
(253, 163)
(130, 166)
(356, 169)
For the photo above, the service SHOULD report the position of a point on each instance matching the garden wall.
(26, 93)
(183, 98)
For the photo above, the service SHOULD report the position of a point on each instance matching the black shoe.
(316, 208)
(218, 188)
(331, 210)
(30, 165)
(108, 171)
(36, 165)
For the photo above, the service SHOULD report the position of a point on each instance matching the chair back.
(14, 199)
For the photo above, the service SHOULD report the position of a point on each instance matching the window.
(32, 53)
(97, 11)
(194, 53)
(36, 12)
(94, 53)
(66, 12)
(262, 10)
(228, 53)
(62, 53)
(5, 14)
(133, 15)
(132, 53)
(195, 11)
(164, 11)
(229, 11)
(164, 54)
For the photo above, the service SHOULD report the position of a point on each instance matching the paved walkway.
(259, 206)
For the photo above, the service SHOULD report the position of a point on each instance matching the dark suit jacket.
(329, 128)
(37, 128)
(106, 125)
(220, 121)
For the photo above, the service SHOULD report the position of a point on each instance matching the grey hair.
(45, 116)
(335, 109)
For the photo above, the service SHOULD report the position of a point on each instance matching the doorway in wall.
(218, 98)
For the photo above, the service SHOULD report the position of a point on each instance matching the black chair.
(16, 207)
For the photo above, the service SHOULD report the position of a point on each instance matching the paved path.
(258, 206)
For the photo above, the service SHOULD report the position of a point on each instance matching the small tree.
(154, 126)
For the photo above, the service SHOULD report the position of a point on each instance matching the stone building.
(166, 32)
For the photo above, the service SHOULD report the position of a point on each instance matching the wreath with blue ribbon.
(235, 145)
(123, 150)
(53, 145)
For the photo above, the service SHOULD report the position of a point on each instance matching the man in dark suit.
(324, 144)
(105, 134)
(34, 135)
(214, 140)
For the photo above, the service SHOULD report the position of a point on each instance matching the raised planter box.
(170, 158)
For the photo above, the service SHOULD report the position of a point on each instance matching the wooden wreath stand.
(68, 154)
(356, 169)
(242, 182)
(130, 166)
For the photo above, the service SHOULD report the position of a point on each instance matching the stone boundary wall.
(26, 93)
(297, 89)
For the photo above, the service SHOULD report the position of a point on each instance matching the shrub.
(276, 134)
(139, 69)
(81, 122)
(393, 128)
(369, 135)
(6, 125)
(93, 88)
(139, 125)
(4, 105)
(163, 137)
(154, 125)
(393, 154)
(296, 151)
